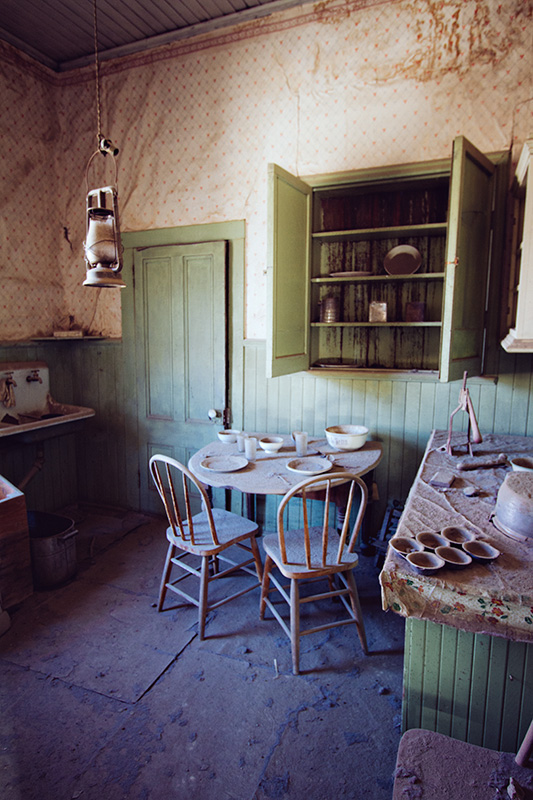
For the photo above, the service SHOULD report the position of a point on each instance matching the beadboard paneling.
(86, 466)
(473, 687)
(400, 412)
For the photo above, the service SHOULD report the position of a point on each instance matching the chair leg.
(202, 604)
(264, 586)
(257, 558)
(356, 607)
(295, 626)
(165, 576)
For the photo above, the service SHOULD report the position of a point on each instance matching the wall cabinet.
(328, 240)
(520, 302)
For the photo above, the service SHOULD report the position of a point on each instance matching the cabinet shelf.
(395, 232)
(376, 324)
(348, 225)
(427, 276)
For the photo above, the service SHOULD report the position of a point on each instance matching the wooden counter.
(468, 669)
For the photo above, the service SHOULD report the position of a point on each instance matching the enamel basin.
(28, 413)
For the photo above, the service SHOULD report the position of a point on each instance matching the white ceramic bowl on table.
(346, 437)
(271, 443)
(228, 436)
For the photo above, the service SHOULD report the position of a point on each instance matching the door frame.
(234, 233)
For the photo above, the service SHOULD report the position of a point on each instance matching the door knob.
(213, 413)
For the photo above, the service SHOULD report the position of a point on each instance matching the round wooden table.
(268, 474)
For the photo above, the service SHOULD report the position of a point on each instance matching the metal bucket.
(53, 548)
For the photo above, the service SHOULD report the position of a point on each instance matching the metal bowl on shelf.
(402, 260)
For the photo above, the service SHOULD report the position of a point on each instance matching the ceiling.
(60, 33)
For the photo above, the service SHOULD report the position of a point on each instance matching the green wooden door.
(180, 346)
(467, 256)
(289, 218)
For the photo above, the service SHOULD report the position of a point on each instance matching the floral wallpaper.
(326, 87)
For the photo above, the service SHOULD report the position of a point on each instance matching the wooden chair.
(313, 553)
(205, 535)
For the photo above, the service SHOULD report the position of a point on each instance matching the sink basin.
(27, 410)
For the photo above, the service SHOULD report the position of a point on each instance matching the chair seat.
(441, 767)
(294, 544)
(230, 528)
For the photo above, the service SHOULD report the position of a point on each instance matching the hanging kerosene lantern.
(103, 246)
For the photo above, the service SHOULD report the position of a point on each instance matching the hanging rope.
(97, 76)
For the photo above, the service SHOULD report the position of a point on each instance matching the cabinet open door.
(467, 257)
(460, 263)
(289, 223)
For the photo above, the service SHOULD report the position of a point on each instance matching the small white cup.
(250, 447)
(241, 436)
(300, 440)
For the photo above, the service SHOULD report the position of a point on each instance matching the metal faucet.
(34, 376)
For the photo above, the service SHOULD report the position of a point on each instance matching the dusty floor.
(103, 698)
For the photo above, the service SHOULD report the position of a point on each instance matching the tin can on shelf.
(330, 309)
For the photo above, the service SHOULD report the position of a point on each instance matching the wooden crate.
(15, 559)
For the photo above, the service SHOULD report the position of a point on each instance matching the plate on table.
(309, 466)
(402, 260)
(224, 463)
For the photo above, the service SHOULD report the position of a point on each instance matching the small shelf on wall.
(72, 339)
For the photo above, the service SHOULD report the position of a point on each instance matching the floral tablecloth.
(494, 598)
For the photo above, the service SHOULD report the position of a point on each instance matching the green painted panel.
(413, 678)
(514, 678)
(432, 660)
(495, 697)
(474, 687)
(446, 683)
(467, 256)
(288, 235)
(463, 681)
(480, 673)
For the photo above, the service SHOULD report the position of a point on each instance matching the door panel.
(289, 218)
(180, 335)
(467, 255)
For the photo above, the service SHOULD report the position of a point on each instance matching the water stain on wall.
(425, 39)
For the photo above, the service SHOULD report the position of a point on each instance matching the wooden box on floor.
(15, 559)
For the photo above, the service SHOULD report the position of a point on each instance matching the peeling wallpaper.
(323, 88)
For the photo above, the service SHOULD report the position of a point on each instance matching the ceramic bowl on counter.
(404, 545)
(430, 540)
(228, 437)
(457, 535)
(481, 551)
(454, 557)
(425, 562)
(271, 444)
(346, 437)
(522, 464)
(514, 506)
